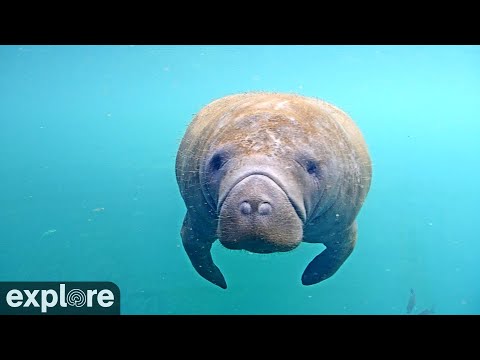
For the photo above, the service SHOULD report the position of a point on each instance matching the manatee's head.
(263, 177)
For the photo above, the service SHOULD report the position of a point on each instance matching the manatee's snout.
(257, 215)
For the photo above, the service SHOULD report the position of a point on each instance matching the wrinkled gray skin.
(263, 172)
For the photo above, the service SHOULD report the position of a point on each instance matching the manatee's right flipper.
(198, 247)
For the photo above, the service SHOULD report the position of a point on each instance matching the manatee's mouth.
(252, 245)
(295, 206)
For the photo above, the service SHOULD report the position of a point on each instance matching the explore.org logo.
(59, 298)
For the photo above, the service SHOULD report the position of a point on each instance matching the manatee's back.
(216, 114)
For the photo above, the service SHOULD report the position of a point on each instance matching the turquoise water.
(88, 139)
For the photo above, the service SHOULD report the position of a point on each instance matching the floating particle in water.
(309, 296)
(464, 302)
(99, 209)
(387, 270)
(166, 68)
(48, 232)
(300, 87)
(430, 224)
(109, 114)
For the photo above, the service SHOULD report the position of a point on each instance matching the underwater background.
(88, 139)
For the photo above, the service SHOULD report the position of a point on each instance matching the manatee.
(263, 172)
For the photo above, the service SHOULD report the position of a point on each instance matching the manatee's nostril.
(245, 208)
(265, 209)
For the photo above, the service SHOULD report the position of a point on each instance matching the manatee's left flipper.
(198, 248)
(338, 249)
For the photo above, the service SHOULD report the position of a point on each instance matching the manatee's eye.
(218, 160)
(311, 167)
